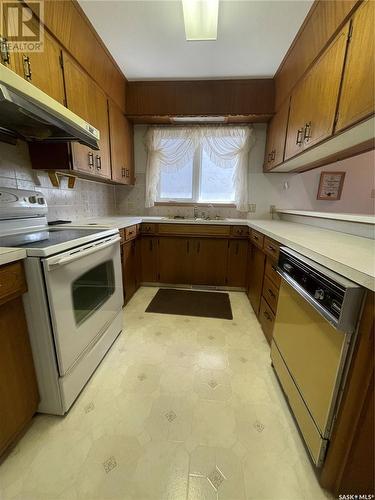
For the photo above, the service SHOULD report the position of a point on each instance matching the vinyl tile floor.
(181, 408)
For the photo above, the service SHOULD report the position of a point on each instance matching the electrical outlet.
(272, 209)
(252, 207)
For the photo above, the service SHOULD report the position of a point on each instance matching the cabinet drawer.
(271, 247)
(240, 231)
(12, 281)
(148, 228)
(122, 235)
(194, 229)
(271, 273)
(130, 232)
(257, 238)
(270, 293)
(266, 320)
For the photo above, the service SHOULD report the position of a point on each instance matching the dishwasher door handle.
(314, 303)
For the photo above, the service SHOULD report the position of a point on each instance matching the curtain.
(170, 148)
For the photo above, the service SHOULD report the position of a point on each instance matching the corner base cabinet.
(18, 387)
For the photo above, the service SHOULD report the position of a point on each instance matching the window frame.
(196, 186)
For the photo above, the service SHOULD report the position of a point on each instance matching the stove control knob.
(32, 199)
(41, 201)
(319, 294)
(287, 267)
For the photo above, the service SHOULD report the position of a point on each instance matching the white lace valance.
(170, 148)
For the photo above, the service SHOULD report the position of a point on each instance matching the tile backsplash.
(87, 199)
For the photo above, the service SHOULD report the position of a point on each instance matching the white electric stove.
(74, 301)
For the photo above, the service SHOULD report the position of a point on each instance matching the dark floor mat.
(191, 303)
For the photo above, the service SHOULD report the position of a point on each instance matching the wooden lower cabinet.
(18, 387)
(149, 259)
(266, 319)
(175, 260)
(237, 263)
(256, 263)
(130, 278)
(209, 261)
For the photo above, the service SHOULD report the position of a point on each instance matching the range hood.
(28, 113)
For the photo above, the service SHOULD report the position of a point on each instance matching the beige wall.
(296, 191)
(86, 199)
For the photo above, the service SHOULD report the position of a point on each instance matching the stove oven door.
(84, 287)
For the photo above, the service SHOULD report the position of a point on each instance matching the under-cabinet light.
(200, 18)
(198, 119)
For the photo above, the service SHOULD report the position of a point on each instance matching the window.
(198, 164)
(200, 180)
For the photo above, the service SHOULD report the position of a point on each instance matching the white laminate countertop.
(362, 218)
(348, 255)
(11, 254)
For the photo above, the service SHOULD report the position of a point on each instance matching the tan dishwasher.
(317, 314)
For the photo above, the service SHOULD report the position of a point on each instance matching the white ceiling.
(147, 38)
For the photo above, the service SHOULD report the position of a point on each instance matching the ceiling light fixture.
(200, 18)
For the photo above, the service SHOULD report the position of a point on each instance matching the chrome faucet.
(196, 215)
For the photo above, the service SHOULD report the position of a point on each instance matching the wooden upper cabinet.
(321, 23)
(314, 99)
(357, 93)
(89, 102)
(43, 69)
(276, 136)
(121, 138)
(9, 59)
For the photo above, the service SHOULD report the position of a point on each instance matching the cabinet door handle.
(273, 154)
(307, 132)
(269, 157)
(299, 137)
(127, 173)
(27, 67)
(271, 293)
(122, 172)
(5, 57)
(91, 159)
(98, 162)
(271, 248)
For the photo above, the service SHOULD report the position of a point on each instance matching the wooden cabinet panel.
(88, 101)
(149, 260)
(314, 100)
(271, 247)
(357, 98)
(122, 146)
(271, 271)
(129, 270)
(266, 320)
(12, 281)
(148, 228)
(270, 293)
(322, 22)
(276, 137)
(237, 263)
(43, 69)
(256, 238)
(255, 276)
(18, 388)
(209, 261)
(175, 260)
(9, 59)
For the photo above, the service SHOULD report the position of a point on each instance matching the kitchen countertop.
(11, 254)
(348, 255)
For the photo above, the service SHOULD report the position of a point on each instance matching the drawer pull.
(307, 132)
(27, 67)
(271, 293)
(267, 316)
(271, 248)
(91, 159)
(4, 50)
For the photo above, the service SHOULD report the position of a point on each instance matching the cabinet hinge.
(350, 34)
(336, 120)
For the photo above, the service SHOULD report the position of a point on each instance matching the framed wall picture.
(330, 185)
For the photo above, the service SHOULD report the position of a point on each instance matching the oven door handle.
(96, 247)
